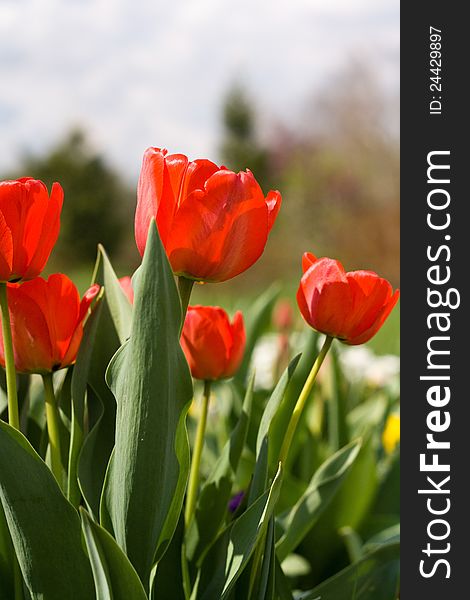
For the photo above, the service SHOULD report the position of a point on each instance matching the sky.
(139, 73)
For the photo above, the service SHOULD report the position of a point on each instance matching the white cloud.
(147, 73)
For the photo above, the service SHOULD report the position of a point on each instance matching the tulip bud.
(213, 346)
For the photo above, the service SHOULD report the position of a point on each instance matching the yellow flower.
(391, 434)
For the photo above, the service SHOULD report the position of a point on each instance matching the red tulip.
(126, 285)
(349, 306)
(213, 346)
(47, 323)
(29, 226)
(213, 223)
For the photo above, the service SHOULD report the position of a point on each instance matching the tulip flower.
(214, 349)
(47, 323)
(213, 223)
(349, 306)
(213, 346)
(29, 226)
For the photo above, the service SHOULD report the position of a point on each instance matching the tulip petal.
(322, 271)
(204, 342)
(49, 232)
(158, 191)
(273, 202)
(126, 284)
(70, 355)
(238, 343)
(32, 344)
(324, 296)
(212, 237)
(307, 261)
(331, 307)
(6, 250)
(370, 293)
(197, 173)
(366, 335)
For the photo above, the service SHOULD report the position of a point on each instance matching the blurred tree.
(340, 174)
(97, 202)
(240, 148)
(337, 170)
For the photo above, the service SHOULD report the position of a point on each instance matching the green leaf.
(168, 579)
(272, 407)
(112, 330)
(7, 555)
(117, 301)
(374, 577)
(216, 491)
(115, 577)
(325, 483)
(349, 507)
(79, 388)
(266, 585)
(283, 589)
(386, 536)
(144, 487)
(289, 398)
(44, 527)
(231, 552)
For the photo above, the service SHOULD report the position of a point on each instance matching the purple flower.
(235, 501)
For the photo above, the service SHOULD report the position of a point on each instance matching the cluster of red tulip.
(214, 225)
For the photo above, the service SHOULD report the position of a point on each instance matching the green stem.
(185, 287)
(196, 459)
(302, 400)
(13, 414)
(53, 419)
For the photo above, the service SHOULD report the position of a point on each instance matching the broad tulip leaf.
(117, 301)
(215, 494)
(115, 577)
(168, 577)
(113, 329)
(374, 577)
(145, 483)
(231, 552)
(325, 483)
(79, 387)
(7, 555)
(44, 527)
